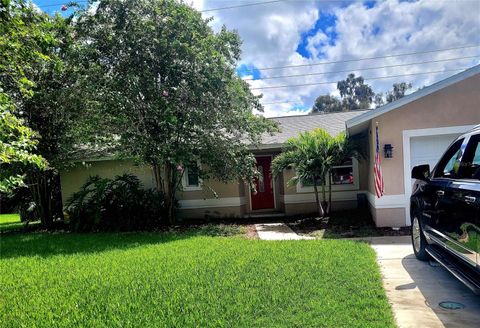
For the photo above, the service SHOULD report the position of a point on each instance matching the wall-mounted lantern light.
(387, 151)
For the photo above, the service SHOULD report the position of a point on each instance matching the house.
(419, 128)
(235, 199)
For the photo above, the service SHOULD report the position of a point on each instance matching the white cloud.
(272, 32)
(36, 7)
(318, 40)
(197, 4)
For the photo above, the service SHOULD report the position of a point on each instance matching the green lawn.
(11, 222)
(187, 280)
(9, 218)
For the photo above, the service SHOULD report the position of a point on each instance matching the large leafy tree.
(166, 88)
(398, 91)
(327, 104)
(17, 148)
(355, 93)
(24, 36)
(313, 155)
(34, 84)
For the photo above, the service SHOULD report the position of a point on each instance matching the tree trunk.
(329, 207)
(320, 211)
(171, 182)
(166, 183)
(44, 189)
(324, 198)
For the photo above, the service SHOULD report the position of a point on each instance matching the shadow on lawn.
(65, 243)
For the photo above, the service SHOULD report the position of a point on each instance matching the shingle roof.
(291, 126)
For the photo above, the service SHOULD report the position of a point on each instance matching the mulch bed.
(344, 225)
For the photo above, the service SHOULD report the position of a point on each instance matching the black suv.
(445, 210)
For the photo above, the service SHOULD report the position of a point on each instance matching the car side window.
(449, 164)
(470, 168)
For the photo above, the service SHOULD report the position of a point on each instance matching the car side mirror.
(421, 172)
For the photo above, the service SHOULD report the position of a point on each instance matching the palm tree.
(313, 155)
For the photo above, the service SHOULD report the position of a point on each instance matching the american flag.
(377, 170)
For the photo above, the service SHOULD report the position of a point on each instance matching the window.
(344, 177)
(192, 176)
(191, 179)
(450, 162)
(343, 174)
(470, 167)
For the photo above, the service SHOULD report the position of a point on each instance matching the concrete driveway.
(416, 288)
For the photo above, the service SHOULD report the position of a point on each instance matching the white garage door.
(426, 150)
(429, 149)
(426, 147)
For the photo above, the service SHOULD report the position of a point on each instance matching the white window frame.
(354, 186)
(185, 185)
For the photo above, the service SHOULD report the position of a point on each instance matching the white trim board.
(413, 96)
(407, 136)
(310, 197)
(186, 204)
(386, 201)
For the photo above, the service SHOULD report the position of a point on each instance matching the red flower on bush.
(64, 7)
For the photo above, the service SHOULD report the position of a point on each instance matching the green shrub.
(119, 204)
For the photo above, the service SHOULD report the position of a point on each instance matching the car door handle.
(470, 199)
(440, 192)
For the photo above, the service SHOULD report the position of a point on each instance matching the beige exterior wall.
(74, 177)
(222, 189)
(295, 203)
(233, 198)
(455, 105)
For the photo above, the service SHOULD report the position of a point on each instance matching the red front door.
(263, 197)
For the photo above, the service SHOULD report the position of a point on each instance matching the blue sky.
(248, 70)
(52, 6)
(325, 23)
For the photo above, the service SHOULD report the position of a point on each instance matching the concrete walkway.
(277, 231)
(415, 288)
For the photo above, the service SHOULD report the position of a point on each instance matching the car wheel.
(418, 239)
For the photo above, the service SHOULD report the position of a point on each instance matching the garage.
(429, 149)
(413, 130)
(425, 146)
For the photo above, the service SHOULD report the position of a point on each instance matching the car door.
(467, 196)
(455, 213)
(438, 193)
